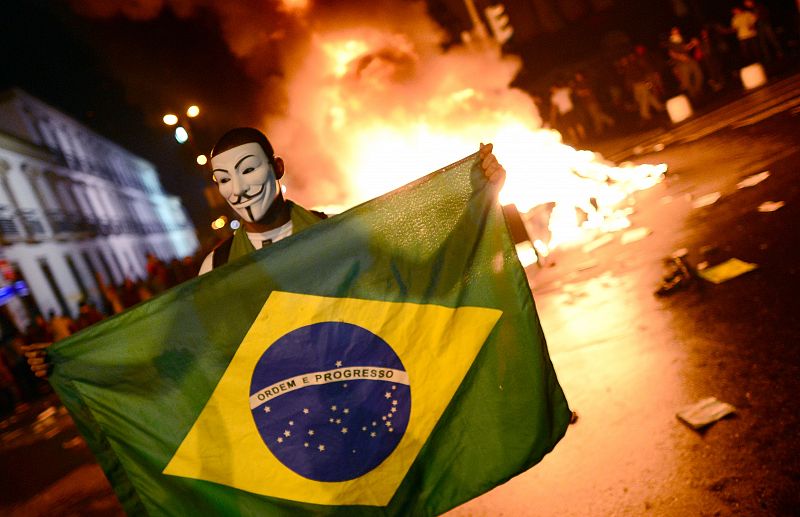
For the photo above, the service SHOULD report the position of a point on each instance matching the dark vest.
(223, 249)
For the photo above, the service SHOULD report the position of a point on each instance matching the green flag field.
(385, 361)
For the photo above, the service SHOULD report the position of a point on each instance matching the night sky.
(119, 76)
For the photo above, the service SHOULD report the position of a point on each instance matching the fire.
(387, 109)
(294, 6)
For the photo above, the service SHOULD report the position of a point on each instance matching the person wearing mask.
(247, 173)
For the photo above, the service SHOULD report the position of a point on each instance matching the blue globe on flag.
(330, 400)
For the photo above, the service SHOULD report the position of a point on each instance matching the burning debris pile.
(381, 106)
(361, 98)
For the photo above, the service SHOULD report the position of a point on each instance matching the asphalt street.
(628, 360)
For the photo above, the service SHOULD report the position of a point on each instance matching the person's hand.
(36, 354)
(492, 169)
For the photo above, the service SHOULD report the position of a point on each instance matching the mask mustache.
(245, 197)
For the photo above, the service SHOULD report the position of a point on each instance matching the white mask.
(246, 179)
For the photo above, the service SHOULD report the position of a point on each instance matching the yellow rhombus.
(436, 344)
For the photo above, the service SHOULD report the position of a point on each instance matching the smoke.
(374, 92)
(347, 84)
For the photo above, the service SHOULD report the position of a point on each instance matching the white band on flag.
(355, 373)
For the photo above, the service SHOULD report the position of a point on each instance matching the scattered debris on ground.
(704, 412)
(708, 199)
(770, 206)
(752, 181)
(678, 274)
(727, 270)
(602, 241)
(634, 235)
(589, 264)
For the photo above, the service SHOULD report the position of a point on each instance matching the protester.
(684, 66)
(8, 388)
(157, 274)
(129, 293)
(247, 173)
(60, 325)
(652, 67)
(768, 43)
(87, 315)
(710, 59)
(38, 330)
(743, 22)
(585, 96)
(637, 80)
(563, 115)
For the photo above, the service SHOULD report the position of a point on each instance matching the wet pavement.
(628, 360)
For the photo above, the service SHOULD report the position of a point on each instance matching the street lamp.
(181, 135)
(183, 128)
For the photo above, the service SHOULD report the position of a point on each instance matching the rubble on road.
(752, 181)
(727, 270)
(770, 206)
(704, 412)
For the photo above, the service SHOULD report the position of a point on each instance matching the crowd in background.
(588, 104)
(17, 382)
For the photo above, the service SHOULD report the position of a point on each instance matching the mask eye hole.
(248, 170)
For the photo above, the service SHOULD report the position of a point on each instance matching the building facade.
(75, 210)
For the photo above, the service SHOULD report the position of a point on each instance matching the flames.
(384, 111)
(363, 99)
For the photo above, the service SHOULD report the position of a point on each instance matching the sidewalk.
(636, 143)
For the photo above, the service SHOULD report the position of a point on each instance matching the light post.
(183, 131)
(181, 122)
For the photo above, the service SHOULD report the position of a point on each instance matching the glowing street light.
(192, 111)
(201, 159)
(170, 119)
(219, 223)
(181, 135)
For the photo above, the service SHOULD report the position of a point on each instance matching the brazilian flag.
(386, 361)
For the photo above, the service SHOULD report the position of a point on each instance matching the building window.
(77, 277)
(51, 281)
(106, 268)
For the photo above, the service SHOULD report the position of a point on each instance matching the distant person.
(585, 96)
(87, 315)
(651, 66)
(157, 274)
(686, 69)
(563, 115)
(710, 59)
(743, 22)
(637, 80)
(60, 325)
(767, 40)
(129, 293)
(38, 330)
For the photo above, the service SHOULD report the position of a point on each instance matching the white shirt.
(259, 240)
(560, 98)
